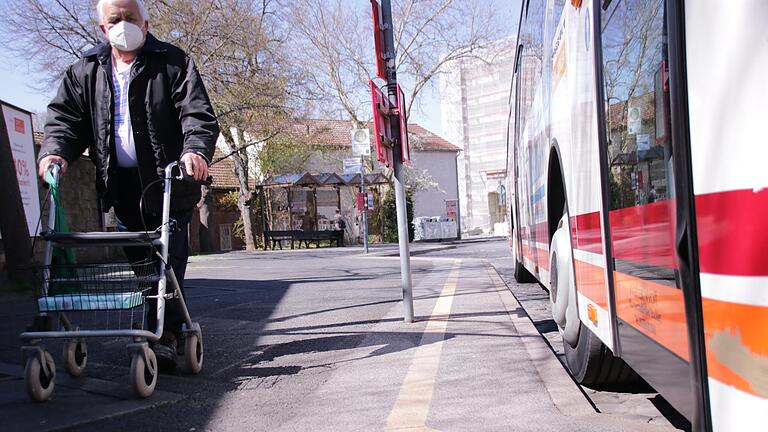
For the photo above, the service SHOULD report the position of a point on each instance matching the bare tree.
(49, 35)
(333, 42)
(237, 46)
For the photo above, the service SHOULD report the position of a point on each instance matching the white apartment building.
(474, 99)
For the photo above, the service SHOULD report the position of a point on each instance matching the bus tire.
(592, 364)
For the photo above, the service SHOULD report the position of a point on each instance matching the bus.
(638, 194)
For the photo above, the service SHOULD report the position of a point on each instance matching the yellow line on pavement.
(412, 404)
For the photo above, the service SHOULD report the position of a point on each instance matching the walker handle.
(189, 179)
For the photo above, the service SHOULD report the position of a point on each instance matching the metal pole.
(400, 204)
(365, 203)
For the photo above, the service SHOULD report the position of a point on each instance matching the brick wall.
(80, 201)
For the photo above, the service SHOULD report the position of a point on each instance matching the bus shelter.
(307, 202)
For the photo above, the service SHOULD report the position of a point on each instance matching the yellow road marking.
(412, 404)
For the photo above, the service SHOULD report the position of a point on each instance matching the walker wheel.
(193, 353)
(75, 357)
(144, 373)
(39, 384)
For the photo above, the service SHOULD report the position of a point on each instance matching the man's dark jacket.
(170, 115)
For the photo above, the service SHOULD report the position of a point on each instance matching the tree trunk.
(240, 162)
(245, 214)
(13, 223)
(205, 206)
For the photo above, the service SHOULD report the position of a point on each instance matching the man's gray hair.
(139, 3)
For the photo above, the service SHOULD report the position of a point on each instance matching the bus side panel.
(577, 106)
(531, 146)
(728, 103)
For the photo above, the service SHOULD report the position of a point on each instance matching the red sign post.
(378, 40)
(381, 128)
(391, 134)
(384, 114)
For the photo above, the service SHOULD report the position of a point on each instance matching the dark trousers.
(128, 187)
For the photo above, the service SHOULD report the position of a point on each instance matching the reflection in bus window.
(636, 103)
(640, 181)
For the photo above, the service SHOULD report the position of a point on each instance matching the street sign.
(643, 142)
(353, 165)
(370, 201)
(381, 129)
(19, 126)
(378, 40)
(361, 142)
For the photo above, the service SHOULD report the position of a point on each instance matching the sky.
(17, 83)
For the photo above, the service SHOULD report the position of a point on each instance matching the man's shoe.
(165, 351)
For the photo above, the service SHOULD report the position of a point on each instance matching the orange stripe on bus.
(590, 282)
(734, 334)
(737, 345)
(654, 309)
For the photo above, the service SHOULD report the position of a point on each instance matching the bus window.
(635, 104)
(640, 180)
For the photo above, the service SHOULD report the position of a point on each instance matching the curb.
(564, 392)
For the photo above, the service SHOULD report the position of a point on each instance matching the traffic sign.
(361, 142)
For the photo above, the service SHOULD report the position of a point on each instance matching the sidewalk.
(318, 343)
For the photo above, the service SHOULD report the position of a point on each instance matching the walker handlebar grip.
(189, 179)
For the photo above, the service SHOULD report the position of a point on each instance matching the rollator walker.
(112, 296)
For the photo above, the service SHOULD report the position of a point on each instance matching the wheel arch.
(557, 197)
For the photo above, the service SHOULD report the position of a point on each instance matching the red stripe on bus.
(587, 233)
(645, 234)
(732, 233)
(732, 230)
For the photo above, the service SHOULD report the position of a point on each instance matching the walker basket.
(87, 287)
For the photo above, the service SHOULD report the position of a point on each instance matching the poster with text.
(19, 126)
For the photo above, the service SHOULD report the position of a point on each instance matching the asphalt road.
(315, 340)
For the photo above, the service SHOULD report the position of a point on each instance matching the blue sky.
(18, 81)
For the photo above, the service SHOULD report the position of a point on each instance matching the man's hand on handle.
(195, 165)
(46, 162)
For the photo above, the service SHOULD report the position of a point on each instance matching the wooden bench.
(318, 236)
(276, 238)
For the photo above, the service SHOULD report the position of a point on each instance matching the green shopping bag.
(63, 258)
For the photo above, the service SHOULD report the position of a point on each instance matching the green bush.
(390, 216)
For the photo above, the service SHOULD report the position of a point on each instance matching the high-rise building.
(474, 97)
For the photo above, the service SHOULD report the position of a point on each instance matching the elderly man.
(137, 104)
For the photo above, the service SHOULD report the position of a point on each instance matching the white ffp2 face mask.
(126, 36)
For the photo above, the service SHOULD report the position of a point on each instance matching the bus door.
(638, 169)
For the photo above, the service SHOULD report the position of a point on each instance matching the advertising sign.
(19, 126)
(452, 209)
(360, 201)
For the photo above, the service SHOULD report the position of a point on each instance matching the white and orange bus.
(639, 194)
